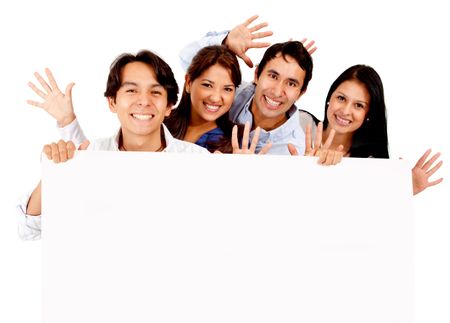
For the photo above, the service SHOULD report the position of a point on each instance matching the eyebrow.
(289, 78)
(207, 80)
(128, 83)
(359, 101)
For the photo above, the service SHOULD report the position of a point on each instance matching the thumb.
(247, 60)
(84, 145)
(69, 89)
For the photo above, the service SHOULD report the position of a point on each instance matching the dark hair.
(179, 119)
(163, 72)
(371, 139)
(294, 49)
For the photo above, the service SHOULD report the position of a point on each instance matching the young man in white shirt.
(141, 90)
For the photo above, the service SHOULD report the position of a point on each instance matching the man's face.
(277, 89)
(141, 102)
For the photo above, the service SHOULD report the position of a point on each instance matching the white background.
(406, 43)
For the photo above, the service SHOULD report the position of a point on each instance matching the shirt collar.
(167, 136)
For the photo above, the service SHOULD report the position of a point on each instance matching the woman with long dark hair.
(355, 109)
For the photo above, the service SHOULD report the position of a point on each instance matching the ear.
(255, 77)
(168, 110)
(112, 104)
(187, 82)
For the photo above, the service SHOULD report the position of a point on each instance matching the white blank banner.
(155, 237)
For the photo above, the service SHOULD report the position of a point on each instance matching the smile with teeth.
(212, 108)
(143, 117)
(271, 102)
(341, 121)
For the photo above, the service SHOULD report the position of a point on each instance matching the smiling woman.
(355, 111)
(202, 114)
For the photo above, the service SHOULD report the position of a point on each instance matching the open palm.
(57, 104)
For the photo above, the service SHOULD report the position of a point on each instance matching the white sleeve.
(211, 38)
(72, 132)
(29, 225)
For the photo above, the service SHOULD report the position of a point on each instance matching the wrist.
(67, 120)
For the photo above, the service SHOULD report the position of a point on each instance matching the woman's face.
(212, 94)
(348, 107)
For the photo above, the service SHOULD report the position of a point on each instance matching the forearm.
(188, 52)
(34, 203)
(72, 132)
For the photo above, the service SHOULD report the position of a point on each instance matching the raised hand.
(245, 149)
(63, 150)
(57, 104)
(241, 37)
(327, 156)
(422, 171)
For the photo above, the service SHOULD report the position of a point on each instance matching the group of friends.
(218, 112)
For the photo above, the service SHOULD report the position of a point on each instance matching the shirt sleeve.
(211, 38)
(72, 132)
(29, 226)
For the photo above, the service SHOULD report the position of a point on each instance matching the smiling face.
(140, 103)
(348, 107)
(277, 88)
(212, 94)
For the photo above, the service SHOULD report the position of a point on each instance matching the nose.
(346, 108)
(215, 95)
(144, 99)
(278, 89)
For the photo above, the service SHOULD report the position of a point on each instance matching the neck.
(133, 142)
(259, 120)
(344, 139)
(197, 127)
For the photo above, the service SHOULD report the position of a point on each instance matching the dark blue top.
(213, 135)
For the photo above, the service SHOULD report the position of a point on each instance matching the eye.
(340, 98)
(207, 85)
(229, 89)
(292, 84)
(130, 91)
(273, 76)
(359, 105)
(156, 93)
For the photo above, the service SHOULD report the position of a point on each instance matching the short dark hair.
(163, 72)
(371, 139)
(297, 51)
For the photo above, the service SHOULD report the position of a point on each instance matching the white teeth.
(342, 122)
(212, 108)
(272, 102)
(143, 117)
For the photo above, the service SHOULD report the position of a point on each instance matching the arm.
(59, 106)
(60, 152)
(422, 171)
(29, 207)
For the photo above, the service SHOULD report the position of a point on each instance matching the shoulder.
(109, 143)
(245, 88)
(307, 118)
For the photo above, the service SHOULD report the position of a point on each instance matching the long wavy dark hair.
(178, 121)
(371, 139)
